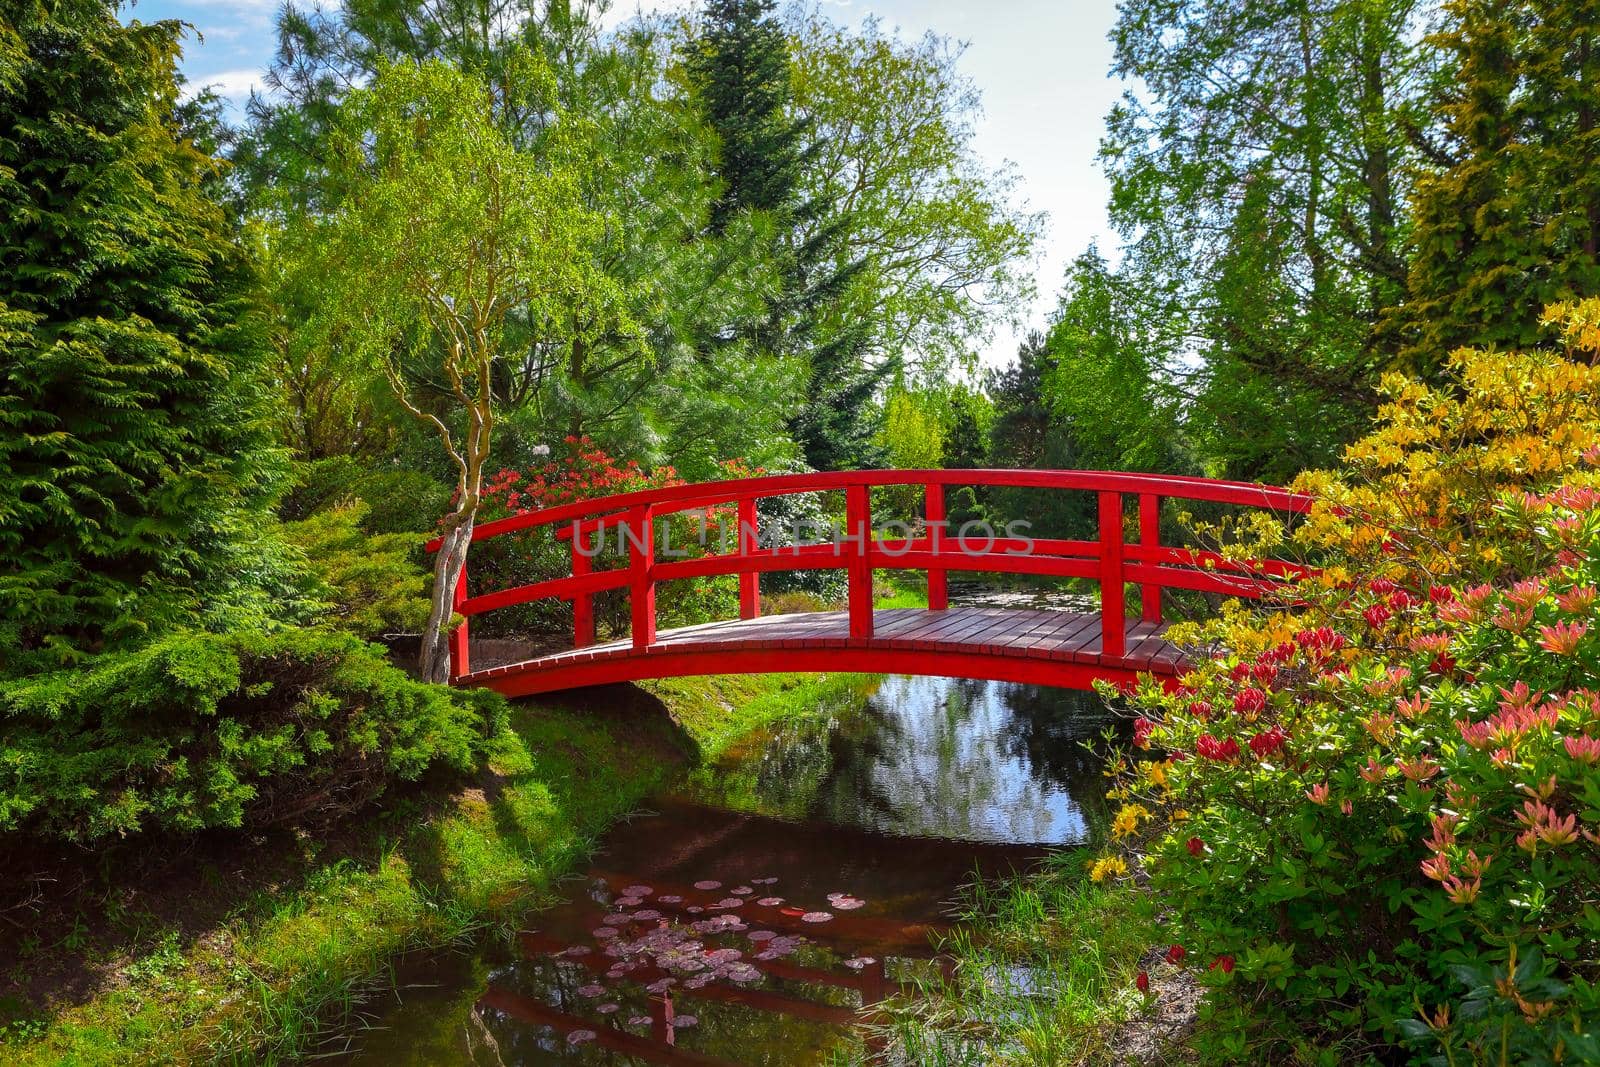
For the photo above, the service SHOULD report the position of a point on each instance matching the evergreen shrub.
(239, 730)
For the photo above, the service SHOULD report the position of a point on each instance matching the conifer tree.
(134, 465)
(742, 76)
(1508, 219)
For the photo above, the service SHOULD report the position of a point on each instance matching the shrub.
(224, 730)
(583, 473)
(371, 584)
(795, 603)
(1374, 807)
(396, 501)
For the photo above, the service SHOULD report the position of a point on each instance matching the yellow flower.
(1113, 866)
(1127, 820)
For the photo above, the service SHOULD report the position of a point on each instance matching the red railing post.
(460, 661)
(1112, 623)
(933, 514)
(582, 603)
(749, 581)
(858, 531)
(1150, 540)
(639, 530)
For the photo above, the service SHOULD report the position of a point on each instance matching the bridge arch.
(1062, 648)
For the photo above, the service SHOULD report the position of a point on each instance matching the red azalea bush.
(585, 471)
(1379, 800)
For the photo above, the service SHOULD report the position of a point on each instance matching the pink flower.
(1527, 593)
(1318, 794)
(1578, 601)
(1563, 637)
(1582, 749)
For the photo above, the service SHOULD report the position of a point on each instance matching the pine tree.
(742, 77)
(1509, 218)
(134, 469)
(742, 74)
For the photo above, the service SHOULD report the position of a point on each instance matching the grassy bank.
(290, 951)
(1045, 974)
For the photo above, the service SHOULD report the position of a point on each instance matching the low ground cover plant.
(1373, 808)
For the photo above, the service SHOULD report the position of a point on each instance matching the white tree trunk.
(434, 661)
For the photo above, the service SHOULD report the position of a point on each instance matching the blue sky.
(1041, 65)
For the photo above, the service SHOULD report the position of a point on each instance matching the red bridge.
(1046, 647)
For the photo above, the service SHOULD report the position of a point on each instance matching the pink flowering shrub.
(584, 471)
(1379, 799)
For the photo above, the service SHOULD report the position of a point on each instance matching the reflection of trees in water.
(1051, 729)
(962, 758)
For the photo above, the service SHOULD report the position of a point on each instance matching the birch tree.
(440, 235)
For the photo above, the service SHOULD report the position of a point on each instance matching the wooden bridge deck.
(1037, 646)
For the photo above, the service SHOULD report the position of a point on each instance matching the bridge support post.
(460, 661)
(582, 603)
(749, 581)
(640, 534)
(858, 533)
(1112, 622)
(934, 515)
(1150, 540)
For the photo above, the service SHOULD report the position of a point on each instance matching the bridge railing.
(1111, 560)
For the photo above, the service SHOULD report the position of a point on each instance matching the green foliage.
(1107, 387)
(136, 460)
(740, 69)
(1508, 216)
(394, 500)
(1259, 175)
(372, 584)
(1375, 810)
(237, 730)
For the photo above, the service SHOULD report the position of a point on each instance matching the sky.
(1041, 66)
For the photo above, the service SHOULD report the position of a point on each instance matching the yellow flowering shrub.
(1372, 807)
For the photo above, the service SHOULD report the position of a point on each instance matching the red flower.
(1175, 954)
(1212, 749)
(1143, 982)
(1225, 963)
(1195, 846)
(1249, 701)
(1266, 743)
(1200, 709)
(1141, 732)
(1376, 615)
(1381, 586)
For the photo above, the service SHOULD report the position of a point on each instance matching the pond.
(761, 903)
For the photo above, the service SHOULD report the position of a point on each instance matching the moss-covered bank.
(285, 960)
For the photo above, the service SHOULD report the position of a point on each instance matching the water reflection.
(955, 758)
(769, 902)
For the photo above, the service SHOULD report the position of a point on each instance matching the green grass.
(291, 964)
(1045, 968)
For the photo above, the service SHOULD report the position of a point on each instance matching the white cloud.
(232, 85)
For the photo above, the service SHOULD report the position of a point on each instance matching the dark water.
(761, 904)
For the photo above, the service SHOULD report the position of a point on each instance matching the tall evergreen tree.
(741, 71)
(134, 464)
(1508, 219)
